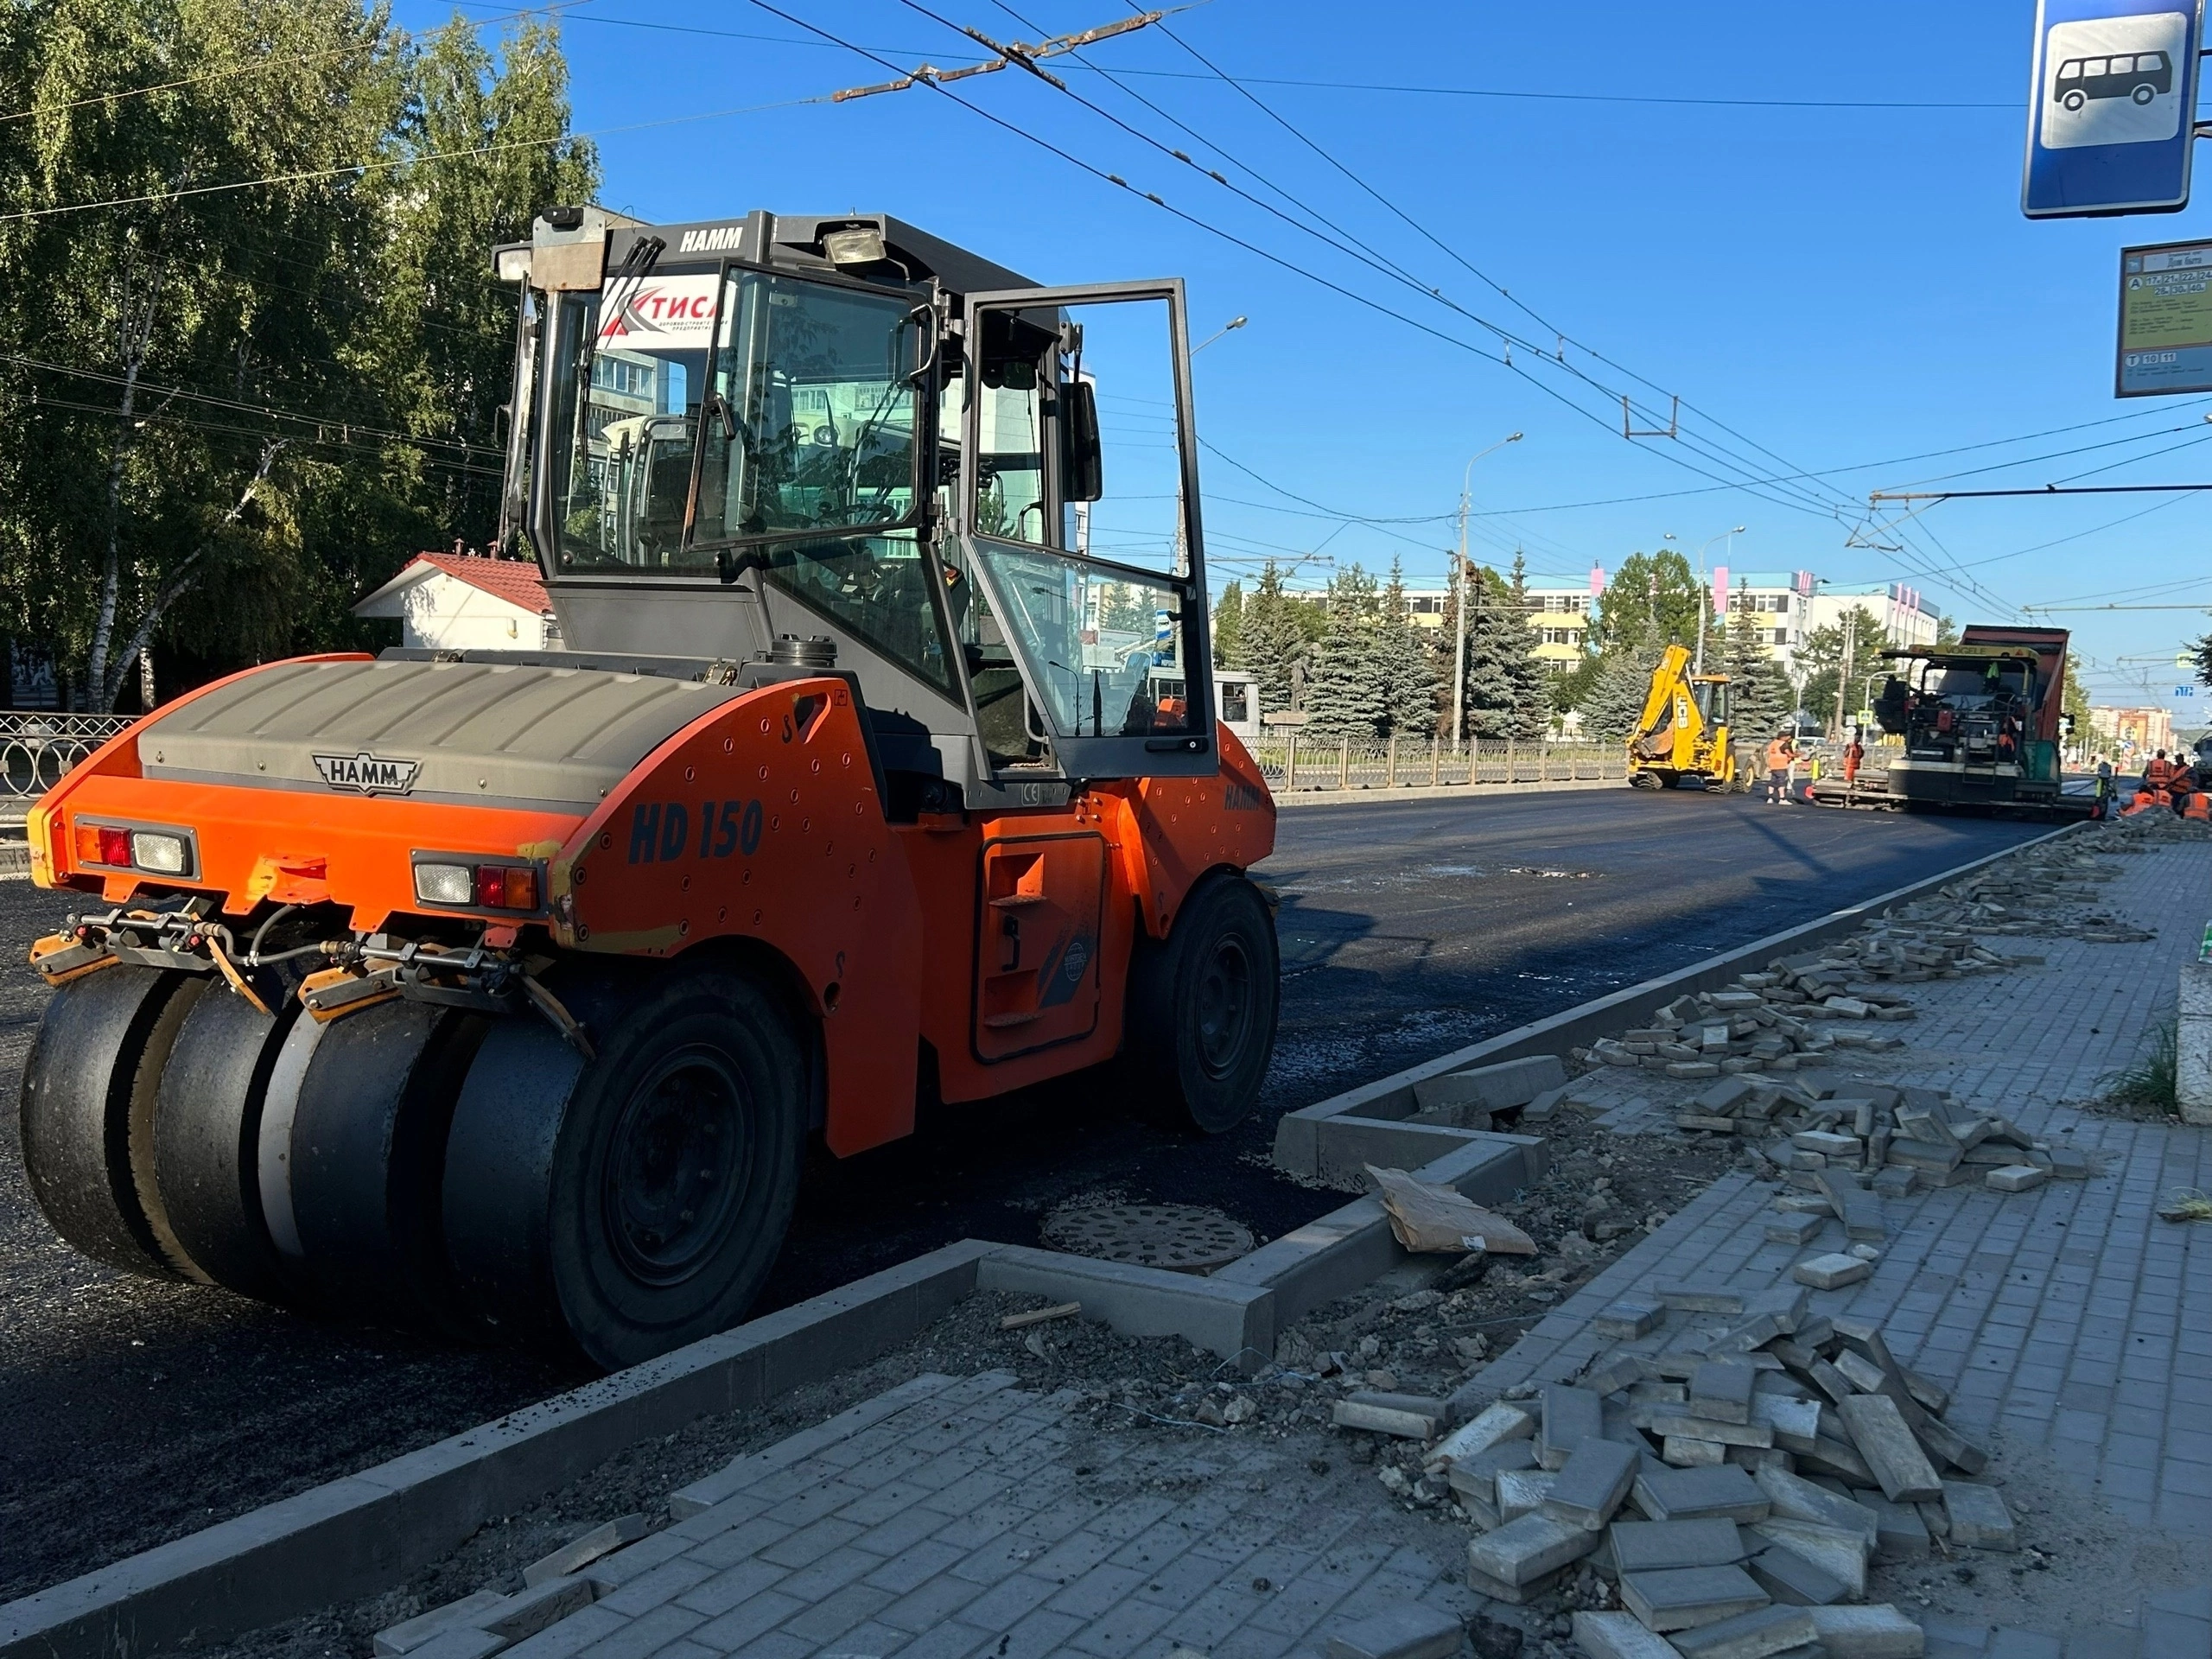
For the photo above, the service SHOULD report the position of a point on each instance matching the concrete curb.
(1439, 791)
(366, 1532)
(1299, 1142)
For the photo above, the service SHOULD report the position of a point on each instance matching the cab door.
(1041, 900)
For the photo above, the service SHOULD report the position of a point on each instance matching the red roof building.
(463, 601)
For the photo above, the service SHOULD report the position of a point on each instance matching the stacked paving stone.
(1840, 1144)
(1729, 1490)
(2038, 892)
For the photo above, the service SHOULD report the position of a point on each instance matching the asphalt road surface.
(137, 1411)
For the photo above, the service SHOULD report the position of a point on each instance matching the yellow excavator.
(1681, 740)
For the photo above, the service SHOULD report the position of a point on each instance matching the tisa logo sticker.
(367, 774)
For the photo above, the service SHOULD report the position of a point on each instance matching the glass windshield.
(811, 411)
(1104, 645)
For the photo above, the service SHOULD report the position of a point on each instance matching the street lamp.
(1703, 593)
(1234, 322)
(1460, 585)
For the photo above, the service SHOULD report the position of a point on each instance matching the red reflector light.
(98, 844)
(506, 887)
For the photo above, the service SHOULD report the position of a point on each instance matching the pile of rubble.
(1843, 1144)
(2048, 890)
(1728, 1493)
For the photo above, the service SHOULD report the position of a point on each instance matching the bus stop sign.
(2111, 111)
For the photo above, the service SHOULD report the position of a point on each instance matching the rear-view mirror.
(1082, 463)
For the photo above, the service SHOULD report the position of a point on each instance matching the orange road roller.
(869, 756)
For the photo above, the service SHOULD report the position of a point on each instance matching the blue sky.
(1829, 289)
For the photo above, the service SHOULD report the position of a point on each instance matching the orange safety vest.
(1777, 756)
(2199, 807)
(2156, 774)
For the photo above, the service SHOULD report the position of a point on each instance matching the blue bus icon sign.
(2112, 108)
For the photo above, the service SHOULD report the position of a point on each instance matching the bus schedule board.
(2112, 108)
(2165, 320)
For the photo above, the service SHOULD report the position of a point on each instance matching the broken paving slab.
(1569, 1416)
(1591, 1487)
(1832, 1272)
(1979, 1517)
(1755, 1634)
(1726, 1493)
(1839, 1552)
(1882, 1437)
(1619, 1636)
(1630, 1318)
(1797, 1229)
(1526, 1548)
(1523, 1491)
(1408, 1416)
(1790, 1579)
(1700, 1299)
(1661, 1545)
(1682, 1599)
(580, 1553)
(1794, 1498)
(1879, 1631)
(1721, 1389)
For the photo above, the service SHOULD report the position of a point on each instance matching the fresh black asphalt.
(137, 1411)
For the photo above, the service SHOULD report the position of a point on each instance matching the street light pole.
(1704, 593)
(1459, 591)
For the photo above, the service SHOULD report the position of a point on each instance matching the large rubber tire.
(86, 1114)
(367, 1166)
(207, 1141)
(1200, 1026)
(629, 1205)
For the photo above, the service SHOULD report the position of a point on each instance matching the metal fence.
(37, 749)
(1293, 762)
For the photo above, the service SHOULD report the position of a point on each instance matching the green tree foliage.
(1347, 693)
(1616, 695)
(1820, 661)
(1652, 601)
(1758, 696)
(1947, 631)
(1409, 667)
(1228, 626)
(1531, 679)
(2076, 703)
(1271, 643)
(1508, 694)
(267, 367)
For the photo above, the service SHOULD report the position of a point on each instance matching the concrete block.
(1526, 1548)
(1622, 1371)
(1726, 1493)
(2015, 1177)
(1790, 1579)
(1831, 1272)
(1721, 1389)
(1683, 1598)
(1699, 1299)
(1476, 1475)
(410, 1634)
(1755, 1634)
(1724, 1098)
(1235, 1320)
(1523, 1491)
(1596, 1479)
(1879, 1433)
(1627, 1320)
(580, 1553)
(1860, 1372)
(1794, 1424)
(1516, 1595)
(1704, 1428)
(1929, 1157)
(1752, 1458)
(1946, 1445)
(1491, 1427)
(1795, 1229)
(1794, 1498)
(1659, 1545)
(1681, 1453)
(1408, 1416)
(1876, 1632)
(1828, 1144)
(1837, 1552)
(1410, 1630)
(1977, 1516)
(1899, 1533)
(1803, 1204)
(1619, 1636)
(1894, 1181)
(1569, 1417)
(531, 1610)
(1864, 1336)
(1840, 1458)
(1496, 1088)
(2069, 1165)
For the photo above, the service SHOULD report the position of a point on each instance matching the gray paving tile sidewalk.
(981, 1519)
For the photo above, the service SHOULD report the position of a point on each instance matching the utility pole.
(1459, 594)
(1843, 678)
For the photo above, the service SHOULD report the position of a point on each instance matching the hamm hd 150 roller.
(503, 991)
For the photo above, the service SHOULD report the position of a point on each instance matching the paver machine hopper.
(504, 992)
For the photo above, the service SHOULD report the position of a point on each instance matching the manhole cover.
(1181, 1237)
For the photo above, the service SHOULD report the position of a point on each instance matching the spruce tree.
(1532, 701)
(1757, 690)
(1409, 674)
(1345, 695)
(1617, 696)
(1270, 643)
(1497, 643)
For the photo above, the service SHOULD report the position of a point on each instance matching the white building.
(458, 601)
